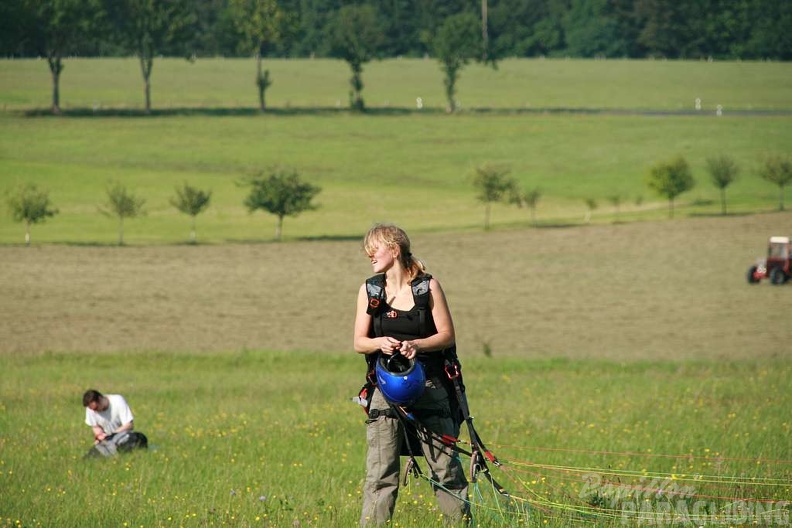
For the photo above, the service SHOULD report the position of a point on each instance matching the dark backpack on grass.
(118, 443)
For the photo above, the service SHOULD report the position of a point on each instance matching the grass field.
(411, 168)
(619, 357)
(396, 84)
(270, 439)
(621, 352)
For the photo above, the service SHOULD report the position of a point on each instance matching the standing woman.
(399, 331)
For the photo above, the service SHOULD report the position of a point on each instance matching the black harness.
(452, 379)
(375, 289)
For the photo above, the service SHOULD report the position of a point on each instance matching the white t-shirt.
(111, 419)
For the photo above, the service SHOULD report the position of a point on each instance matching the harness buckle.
(373, 414)
(452, 370)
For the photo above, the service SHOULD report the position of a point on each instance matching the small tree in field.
(260, 24)
(122, 204)
(147, 28)
(282, 193)
(30, 205)
(670, 179)
(191, 201)
(778, 171)
(493, 185)
(356, 36)
(528, 199)
(458, 41)
(591, 205)
(723, 171)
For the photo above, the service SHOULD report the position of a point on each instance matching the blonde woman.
(389, 321)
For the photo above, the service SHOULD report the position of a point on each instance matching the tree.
(30, 205)
(260, 24)
(670, 28)
(356, 37)
(458, 41)
(528, 199)
(57, 29)
(122, 204)
(493, 185)
(590, 32)
(723, 171)
(591, 205)
(778, 171)
(670, 179)
(193, 202)
(147, 27)
(282, 193)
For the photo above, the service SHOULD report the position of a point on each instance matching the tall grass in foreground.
(270, 439)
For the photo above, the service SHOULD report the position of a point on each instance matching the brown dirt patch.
(664, 290)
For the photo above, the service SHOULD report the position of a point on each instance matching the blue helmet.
(400, 380)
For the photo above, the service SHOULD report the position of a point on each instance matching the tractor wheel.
(751, 275)
(778, 277)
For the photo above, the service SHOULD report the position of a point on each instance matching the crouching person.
(111, 420)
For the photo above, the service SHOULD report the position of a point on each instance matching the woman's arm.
(362, 343)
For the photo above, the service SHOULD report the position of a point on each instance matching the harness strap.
(454, 373)
(376, 413)
(412, 464)
(420, 291)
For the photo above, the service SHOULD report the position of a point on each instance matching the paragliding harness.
(118, 443)
(452, 380)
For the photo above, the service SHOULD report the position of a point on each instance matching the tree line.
(282, 192)
(668, 179)
(454, 32)
(722, 29)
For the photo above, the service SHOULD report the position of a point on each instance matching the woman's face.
(382, 258)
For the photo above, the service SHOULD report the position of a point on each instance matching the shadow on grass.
(332, 238)
(388, 111)
(212, 112)
(720, 215)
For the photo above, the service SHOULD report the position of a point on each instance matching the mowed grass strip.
(642, 291)
(257, 438)
(517, 84)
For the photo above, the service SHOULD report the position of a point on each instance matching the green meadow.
(616, 366)
(517, 84)
(593, 131)
(254, 438)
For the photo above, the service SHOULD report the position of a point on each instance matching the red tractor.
(776, 266)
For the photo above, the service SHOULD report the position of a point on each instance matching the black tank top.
(401, 324)
(405, 325)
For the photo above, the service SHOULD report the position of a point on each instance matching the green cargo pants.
(385, 437)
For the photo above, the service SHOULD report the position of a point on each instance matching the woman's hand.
(389, 345)
(408, 349)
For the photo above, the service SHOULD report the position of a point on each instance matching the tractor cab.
(776, 266)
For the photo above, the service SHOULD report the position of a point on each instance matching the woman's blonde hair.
(392, 236)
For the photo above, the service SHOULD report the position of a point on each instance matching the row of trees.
(729, 29)
(149, 28)
(453, 31)
(668, 179)
(282, 193)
